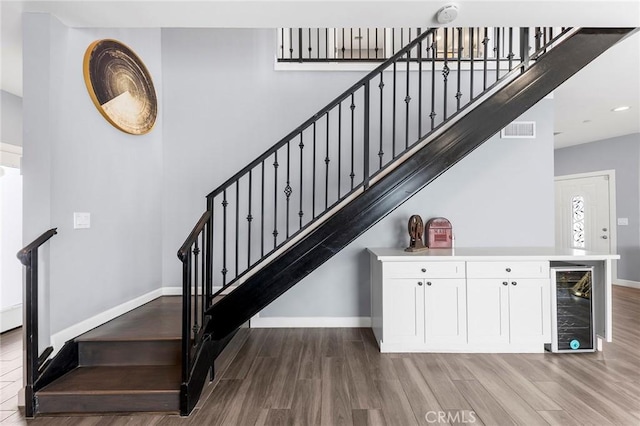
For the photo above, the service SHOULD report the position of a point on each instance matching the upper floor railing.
(379, 44)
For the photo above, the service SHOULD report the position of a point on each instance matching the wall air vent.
(519, 130)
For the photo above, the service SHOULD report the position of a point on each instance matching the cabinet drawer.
(506, 269)
(423, 269)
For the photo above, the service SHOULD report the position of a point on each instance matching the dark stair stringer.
(547, 73)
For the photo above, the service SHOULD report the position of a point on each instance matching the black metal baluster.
(460, 49)
(445, 72)
(282, 45)
(419, 85)
(262, 211)
(300, 44)
(343, 43)
(485, 43)
(310, 49)
(275, 200)
(472, 32)
(393, 113)
(365, 168)
(287, 189)
(313, 175)
(376, 50)
(196, 257)
(203, 271)
(407, 99)
(249, 220)
(510, 56)
(301, 213)
(326, 163)
(381, 86)
(368, 42)
(434, 55)
(352, 107)
(326, 41)
(318, 43)
(339, 150)
(290, 43)
(537, 36)
(237, 223)
(225, 203)
(496, 48)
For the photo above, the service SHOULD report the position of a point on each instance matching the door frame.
(613, 224)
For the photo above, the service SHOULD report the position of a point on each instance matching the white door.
(445, 311)
(529, 311)
(404, 311)
(487, 311)
(582, 213)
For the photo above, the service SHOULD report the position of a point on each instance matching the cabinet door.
(488, 311)
(445, 311)
(529, 315)
(403, 311)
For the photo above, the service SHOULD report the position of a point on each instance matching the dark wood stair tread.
(160, 319)
(120, 379)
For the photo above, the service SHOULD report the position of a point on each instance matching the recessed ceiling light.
(621, 108)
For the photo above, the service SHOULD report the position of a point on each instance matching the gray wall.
(621, 154)
(11, 120)
(75, 161)
(225, 105)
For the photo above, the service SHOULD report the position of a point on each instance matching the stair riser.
(109, 403)
(130, 353)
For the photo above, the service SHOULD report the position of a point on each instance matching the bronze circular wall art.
(120, 86)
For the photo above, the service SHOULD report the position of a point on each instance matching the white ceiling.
(610, 81)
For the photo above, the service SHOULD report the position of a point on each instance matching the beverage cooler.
(572, 309)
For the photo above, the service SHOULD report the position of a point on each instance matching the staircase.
(359, 158)
(129, 364)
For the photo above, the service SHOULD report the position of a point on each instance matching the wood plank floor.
(338, 376)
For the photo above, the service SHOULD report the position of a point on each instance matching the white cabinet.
(423, 305)
(512, 307)
(460, 306)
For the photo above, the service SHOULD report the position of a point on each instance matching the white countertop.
(489, 254)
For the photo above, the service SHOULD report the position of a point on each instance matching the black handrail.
(196, 272)
(29, 257)
(346, 94)
(392, 107)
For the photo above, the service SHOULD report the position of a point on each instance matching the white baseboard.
(59, 338)
(627, 283)
(310, 322)
(10, 317)
(171, 291)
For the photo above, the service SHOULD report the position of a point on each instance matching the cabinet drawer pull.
(505, 283)
(424, 270)
(514, 283)
(428, 282)
(508, 269)
(419, 282)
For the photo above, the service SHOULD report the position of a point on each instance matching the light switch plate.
(81, 220)
(623, 221)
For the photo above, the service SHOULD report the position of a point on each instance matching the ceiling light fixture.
(621, 108)
(447, 14)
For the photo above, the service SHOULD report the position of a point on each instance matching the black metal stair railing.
(35, 362)
(196, 295)
(315, 45)
(336, 153)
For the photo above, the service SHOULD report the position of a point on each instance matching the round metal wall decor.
(120, 86)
